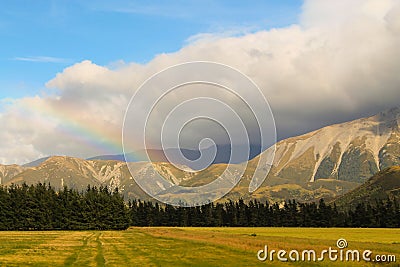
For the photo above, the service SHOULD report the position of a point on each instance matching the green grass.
(185, 246)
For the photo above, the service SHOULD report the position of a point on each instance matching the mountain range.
(223, 155)
(325, 163)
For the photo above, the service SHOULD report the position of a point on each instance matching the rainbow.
(68, 122)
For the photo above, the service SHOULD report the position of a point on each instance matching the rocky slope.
(60, 171)
(7, 172)
(352, 151)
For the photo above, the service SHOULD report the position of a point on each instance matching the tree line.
(41, 207)
(383, 213)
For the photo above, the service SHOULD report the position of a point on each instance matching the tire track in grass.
(74, 257)
(168, 251)
(100, 257)
(201, 253)
(128, 248)
(118, 248)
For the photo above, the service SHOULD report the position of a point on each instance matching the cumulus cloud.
(339, 63)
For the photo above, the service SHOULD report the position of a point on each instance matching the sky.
(69, 68)
(41, 38)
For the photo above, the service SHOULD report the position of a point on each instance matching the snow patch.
(160, 185)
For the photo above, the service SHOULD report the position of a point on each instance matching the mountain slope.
(7, 172)
(351, 151)
(60, 171)
(379, 187)
(76, 173)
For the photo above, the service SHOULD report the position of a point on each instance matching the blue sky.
(41, 38)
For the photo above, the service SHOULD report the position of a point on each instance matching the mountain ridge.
(325, 163)
(324, 153)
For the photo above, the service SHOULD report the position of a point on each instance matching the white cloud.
(339, 63)
(43, 59)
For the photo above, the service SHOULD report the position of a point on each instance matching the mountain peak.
(58, 159)
(389, 114)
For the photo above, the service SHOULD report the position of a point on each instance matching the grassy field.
(186, 246)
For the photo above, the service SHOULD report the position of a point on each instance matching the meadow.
(167, 246)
